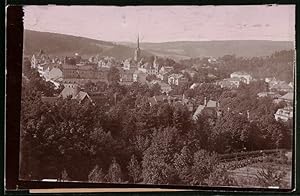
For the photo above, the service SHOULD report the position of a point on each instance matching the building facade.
(245, 77)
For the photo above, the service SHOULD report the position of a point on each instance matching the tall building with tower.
(137, 52)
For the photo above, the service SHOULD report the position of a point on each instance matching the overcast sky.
(166, 23)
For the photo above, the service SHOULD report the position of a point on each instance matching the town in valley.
(224, 120)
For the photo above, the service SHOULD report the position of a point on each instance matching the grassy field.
(273, 171)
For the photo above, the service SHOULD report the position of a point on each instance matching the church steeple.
(137, 51)
(138, 42)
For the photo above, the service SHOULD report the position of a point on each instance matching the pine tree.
(134, 169)
(96, 175)
(64, 176)
(114, 172)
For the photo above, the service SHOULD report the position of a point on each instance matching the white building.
(230, 83)
(55, 74)
(284, 114)
(127, 64)
(176, 79)
(245, 77)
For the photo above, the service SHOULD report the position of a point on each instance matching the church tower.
(137, 51)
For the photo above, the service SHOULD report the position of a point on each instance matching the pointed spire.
(138, 41)
(137, 50)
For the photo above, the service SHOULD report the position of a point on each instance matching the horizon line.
(149, 42)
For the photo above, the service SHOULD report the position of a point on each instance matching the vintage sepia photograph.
(159, 95)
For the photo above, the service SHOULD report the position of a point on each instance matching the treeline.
(121, 138)
(280, 64)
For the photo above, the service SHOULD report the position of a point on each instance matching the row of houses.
(285, 113)
(96, 69)
(279, 85)
(74, 93)
(140, 70)
(132, 70)
(236, 78)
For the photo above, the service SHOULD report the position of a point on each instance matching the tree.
(231, 133)
(134, 169)
(200, 134)
(165, 115)
(271, 176)
(64, 176)
(181, 118)
(89, 86)
(38, 84)
(203, 165)
(26, 66)
(221, 177)
(96, 175)
(151, 77)
(155, 90)
(113, 75)
(275, 133)
(114, 172)
(183, 165)
(101, 86)
(157, 160)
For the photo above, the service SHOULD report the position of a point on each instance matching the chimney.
(115, 98)
(219, 113)
(205, 101)
(248, 115)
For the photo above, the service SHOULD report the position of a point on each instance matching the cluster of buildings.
(275, 87)
(136, 69)
(74, 72)
(279, 85)
(286, 113)
(236, 78)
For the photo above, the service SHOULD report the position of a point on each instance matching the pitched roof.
(240, 73)
(81, 95)
(194, 85)
(74, 93)
(154, 82)
(281, 85)
(198, 111)
(288, 96)
(272, 94)
(68, 91)
(152, 100)
(176, 75)
(233, 79)
(211, 104)
(55, 73)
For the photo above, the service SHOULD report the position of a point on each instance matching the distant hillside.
(187, 49)
(64, 45)
(67, 45)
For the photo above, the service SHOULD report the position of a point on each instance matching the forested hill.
(62, 45)
(67, 45)
(193, 49)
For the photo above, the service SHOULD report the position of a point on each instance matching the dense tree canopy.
(122, 138)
